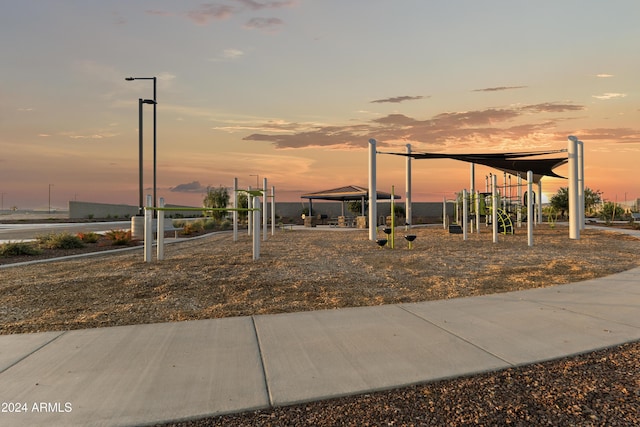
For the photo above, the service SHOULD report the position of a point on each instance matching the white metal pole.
(581, 182)
(472, 179)
(539, 202)
(519, 204)
(264, 209)
(256, 228)
(574, 209)
(249, 213)
(160, 230)
(148, 230)
(465, 213)
(273, 210)
(373, 212)
(494, 207)
(529, 208)
(477, 211)
(407, 200)
(444, 212)
(235, 212)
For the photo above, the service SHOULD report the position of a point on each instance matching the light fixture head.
(148, 101)
(129, 78)
(573, 138)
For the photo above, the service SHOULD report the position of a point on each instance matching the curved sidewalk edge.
(146, 374)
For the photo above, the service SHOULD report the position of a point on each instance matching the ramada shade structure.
(350, 193)
(512, 163)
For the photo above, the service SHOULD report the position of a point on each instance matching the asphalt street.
(25, 232)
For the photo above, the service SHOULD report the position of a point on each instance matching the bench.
(635, 216)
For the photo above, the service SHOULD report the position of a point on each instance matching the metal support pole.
(529, 208)
(160, 232)
(539, 202)
(140, 152)
(256, 228)
(155, 157)
(373, 212)
(574, 203)
(465, 214)
(250, 215)
(273, 210)
(393, 219)
(407, 201)
(477, 212)
(148, 230)
(444, 212)
(235, 212)
(494, 207)
(581, 182)
(264, 209)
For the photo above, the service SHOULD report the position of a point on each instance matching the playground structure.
(515, 164)
(253, 224)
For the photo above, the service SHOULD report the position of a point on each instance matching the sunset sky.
(292, 90)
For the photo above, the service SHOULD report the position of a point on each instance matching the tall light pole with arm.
(155, 102)
(140, 152)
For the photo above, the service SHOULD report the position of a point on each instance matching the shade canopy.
(345, 194)
(511, 163)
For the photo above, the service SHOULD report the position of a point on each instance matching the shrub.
(18, 248)
(59, 241)
(192, 227)
(119, 237)
(89, 237)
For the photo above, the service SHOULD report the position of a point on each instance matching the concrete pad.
(321, 354)
(520, 331)
(614, 300)
(139, 374)
(14, 348)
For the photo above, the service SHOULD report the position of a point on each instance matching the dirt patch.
(213, 277)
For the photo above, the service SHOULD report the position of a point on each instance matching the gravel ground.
(215, 277)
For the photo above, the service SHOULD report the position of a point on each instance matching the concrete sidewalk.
(145, 374)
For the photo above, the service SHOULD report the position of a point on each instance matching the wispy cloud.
(459, 130)
(620, 135)
(191, 187)
(498, 88)
(551, 107)
(228, 55)
(397, 99)
(210, 12)
(256, 5)
(25, 109)
(604, 76)
(609, 95)
(269, 25)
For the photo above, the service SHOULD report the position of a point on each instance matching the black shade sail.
(511, 163)
(345, 194)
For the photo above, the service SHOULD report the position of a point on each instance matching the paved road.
(18, 232)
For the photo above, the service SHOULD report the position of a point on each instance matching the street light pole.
(50, 185)
(155, 99)
(140, 153)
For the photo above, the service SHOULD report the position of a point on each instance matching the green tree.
(591, 199)
(611, 211)
(560, 200)
(216, 198)
(243, 202)
(355, 207)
